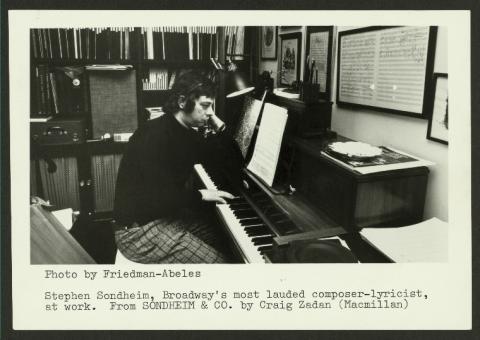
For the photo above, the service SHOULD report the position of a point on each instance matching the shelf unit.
(95, 162)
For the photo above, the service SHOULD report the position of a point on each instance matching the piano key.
(261, 240)
(244, 243)
(250, 221)
(242, 214)
(265, 248)
(258, 230)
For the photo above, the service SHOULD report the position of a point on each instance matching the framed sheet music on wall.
(319, 53)
(387, 68)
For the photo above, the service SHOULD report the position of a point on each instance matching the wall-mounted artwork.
(387, 69)
(438, 122)
(319, 58)
(269, 42)
(290, 57)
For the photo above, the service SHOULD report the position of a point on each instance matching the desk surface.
(315, 147)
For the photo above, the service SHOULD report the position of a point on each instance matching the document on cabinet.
(269, 141)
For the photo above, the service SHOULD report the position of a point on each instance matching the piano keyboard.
(251, 235)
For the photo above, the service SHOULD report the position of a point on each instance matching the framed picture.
(372, 64)
(438, 122)
(290, 56)
(269, 42)
(319, 58)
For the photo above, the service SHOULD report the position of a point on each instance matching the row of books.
(83, 43)
(179, 43)
(56, 90)
(163, 79)
(119, 43)
(157, 80)
(234, 42)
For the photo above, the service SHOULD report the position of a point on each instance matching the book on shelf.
(156, 79)
(108, 67)
(234, 42)
(174, 43)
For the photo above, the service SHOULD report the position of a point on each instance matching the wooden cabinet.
(354, 200)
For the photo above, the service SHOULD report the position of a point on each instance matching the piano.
(249, 222)
(260, 223)
(264, 225)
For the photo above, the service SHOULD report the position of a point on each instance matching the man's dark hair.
(191, 85)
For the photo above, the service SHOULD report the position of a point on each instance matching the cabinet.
(354, 200)
(83, 175)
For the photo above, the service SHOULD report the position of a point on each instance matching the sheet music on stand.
(269, 141)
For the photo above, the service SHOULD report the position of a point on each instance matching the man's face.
(201, 113)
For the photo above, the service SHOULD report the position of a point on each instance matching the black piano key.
(258, 230)
(238, 205)
(262, 240)
(250, 221)
(241, 214)
(237, 200)
(264, 249)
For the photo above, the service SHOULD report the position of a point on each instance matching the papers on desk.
(269, 140)
(426, 241)
(65, 217)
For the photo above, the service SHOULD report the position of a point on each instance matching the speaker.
(113, 101)
(104, 177)
(61, 186)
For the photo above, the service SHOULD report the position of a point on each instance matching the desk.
(354, 200)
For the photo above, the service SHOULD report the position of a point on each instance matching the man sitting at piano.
(159, 216)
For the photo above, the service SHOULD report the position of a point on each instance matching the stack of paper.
(426, 241)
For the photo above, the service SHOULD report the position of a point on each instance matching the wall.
(404, 133)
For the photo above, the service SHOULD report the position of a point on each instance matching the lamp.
(237, 84)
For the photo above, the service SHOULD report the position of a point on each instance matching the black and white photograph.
(150, 147)
(112, 183)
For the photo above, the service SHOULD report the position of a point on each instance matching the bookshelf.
(62, 88)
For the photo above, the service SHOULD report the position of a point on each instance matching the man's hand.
(216, 196)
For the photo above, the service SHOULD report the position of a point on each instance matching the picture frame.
(319, 48)
(269, 37)
(418, 50)
(438, 121)
(290, 57)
